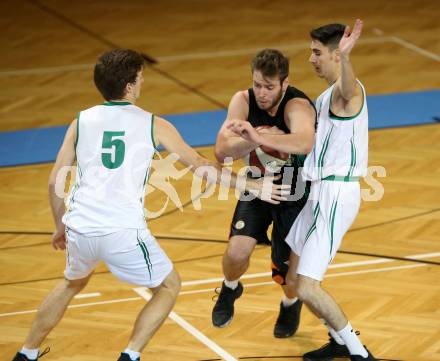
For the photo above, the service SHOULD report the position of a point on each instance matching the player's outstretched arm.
(347, 86)
(65, 158)
(300, 116)
(167, 135)
(228, 144)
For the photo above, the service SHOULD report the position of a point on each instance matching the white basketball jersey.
(341, 144)
(114, 149)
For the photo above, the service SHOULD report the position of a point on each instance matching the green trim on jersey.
(116, 103)
(145, 252)
(332, 222)
(336, 117)
(152, 131)
(337, 178)
(147, 173)
(324, 150)
(67, 245)
(353, 155)
(77, 130)
(313, 226)
(79, 173)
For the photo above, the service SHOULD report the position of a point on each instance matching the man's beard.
(275, 101)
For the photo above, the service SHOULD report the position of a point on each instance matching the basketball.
(266, 159)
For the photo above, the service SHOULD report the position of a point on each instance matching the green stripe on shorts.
(144, 250)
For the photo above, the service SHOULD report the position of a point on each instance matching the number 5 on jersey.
(116, 150)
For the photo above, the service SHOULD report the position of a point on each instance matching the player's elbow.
(307, 147)
(307, 144)
(221, 154)
(51, 183)
(51, 187)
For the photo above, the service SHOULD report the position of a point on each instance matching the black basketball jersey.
(258, 117)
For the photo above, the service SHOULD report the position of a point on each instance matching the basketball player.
(291, 116)
(113, 145)
(339, 157)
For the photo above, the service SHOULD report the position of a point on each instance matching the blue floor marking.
(41, 145)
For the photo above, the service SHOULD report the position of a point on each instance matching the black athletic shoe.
(125, 357)
(21, 357)
(223, 311)
(327, 352)
(370, 357)
(288, 320)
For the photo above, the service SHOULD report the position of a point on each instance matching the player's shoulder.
(241, 96)
(298, 103)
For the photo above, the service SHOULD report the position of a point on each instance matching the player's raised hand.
(350, 38)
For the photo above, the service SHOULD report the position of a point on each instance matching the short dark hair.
(329, 34)
(270, 63)
(114, 70)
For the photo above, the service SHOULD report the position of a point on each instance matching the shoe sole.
(224, 324)
(326, 358)
(284, 336)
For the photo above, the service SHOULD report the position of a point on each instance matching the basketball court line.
(415, 48)
(257, 275)
(87, 295)
(407, 45)
(250, 285)
(225, 53)
(143, 292)
(337, 265)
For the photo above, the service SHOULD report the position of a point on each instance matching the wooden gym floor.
(203, 50)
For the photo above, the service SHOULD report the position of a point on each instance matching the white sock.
(134, 355)
(288, 301)
(231, 284)
(333, 333)
(30, 353)
(352, 342)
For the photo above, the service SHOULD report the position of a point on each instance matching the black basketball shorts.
(253, 218)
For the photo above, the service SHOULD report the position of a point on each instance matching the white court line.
(221, 54)
(180, 57)
(249, 285)
(424, 255)
(415, 48)
(255, 275)
(337, 265)
(191, 329)
(87, 295)
(219, 279)
(76, 306)
(46, 70)
(252, 51)
(407, 44)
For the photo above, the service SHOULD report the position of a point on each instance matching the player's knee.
(306, 288)
(291, 281)
(241, 247)
(76, 286)
(238, 253)
(172, 283)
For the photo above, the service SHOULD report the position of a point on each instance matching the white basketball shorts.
(132, 255)
(317, 233)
